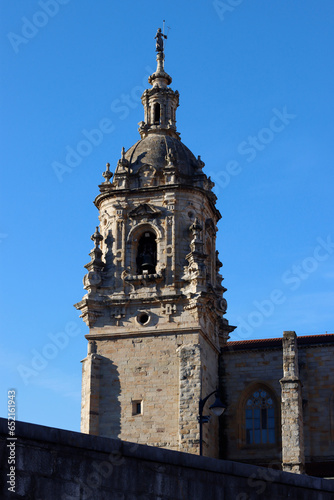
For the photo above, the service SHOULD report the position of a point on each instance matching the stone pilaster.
(293, 458)
(190, 394)
(90, 392)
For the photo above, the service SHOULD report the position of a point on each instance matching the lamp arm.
(203, 401)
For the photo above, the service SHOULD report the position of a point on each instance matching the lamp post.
(217, 408)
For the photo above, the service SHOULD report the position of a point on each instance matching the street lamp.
(217, 408)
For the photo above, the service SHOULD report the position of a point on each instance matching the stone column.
(293, 458)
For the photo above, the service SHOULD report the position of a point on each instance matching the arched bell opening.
(147, 253)
(157, 113)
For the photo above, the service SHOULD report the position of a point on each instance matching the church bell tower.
(154, 299)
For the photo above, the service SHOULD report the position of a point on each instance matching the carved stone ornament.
(91, 279)
(91, 317)
(168, 309)
(146, 175)
(144, 210)
(223, 305)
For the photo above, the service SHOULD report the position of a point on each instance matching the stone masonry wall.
(190, 393)
(54, 464)
(163, 373)
(210, 382)
(243, 371)
(316, 371)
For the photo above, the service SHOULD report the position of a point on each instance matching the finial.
(97, 237)
(200, 163)
(96, 265)
(196, 244)
(122, 164)
(107, 174)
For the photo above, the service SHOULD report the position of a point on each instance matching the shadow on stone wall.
(109, 404)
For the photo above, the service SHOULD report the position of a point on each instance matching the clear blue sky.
(256, 87)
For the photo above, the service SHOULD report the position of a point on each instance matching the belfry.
(154, 300)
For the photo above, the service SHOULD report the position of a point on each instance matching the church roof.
(153, 149)
(244, 345)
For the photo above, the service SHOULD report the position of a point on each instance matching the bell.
(147, 263)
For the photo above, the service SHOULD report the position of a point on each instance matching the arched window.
(157, 113)
(147, 253)
(260, 418)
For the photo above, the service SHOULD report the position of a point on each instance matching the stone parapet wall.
(54, 464)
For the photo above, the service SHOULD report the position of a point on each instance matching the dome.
(152, 150)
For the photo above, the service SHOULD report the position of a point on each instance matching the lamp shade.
(218, 407)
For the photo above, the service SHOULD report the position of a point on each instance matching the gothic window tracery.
(260, 418)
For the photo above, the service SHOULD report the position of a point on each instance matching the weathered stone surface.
(68, 465)
(293, 457)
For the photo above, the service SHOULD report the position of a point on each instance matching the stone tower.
(154, 303)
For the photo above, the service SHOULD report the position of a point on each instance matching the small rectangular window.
(137, 407)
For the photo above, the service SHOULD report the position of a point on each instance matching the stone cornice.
(290, 380)
(116, 193)
(137, 333)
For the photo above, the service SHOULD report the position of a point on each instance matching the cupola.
(160, 102)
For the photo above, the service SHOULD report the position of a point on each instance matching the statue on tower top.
(160, 40)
